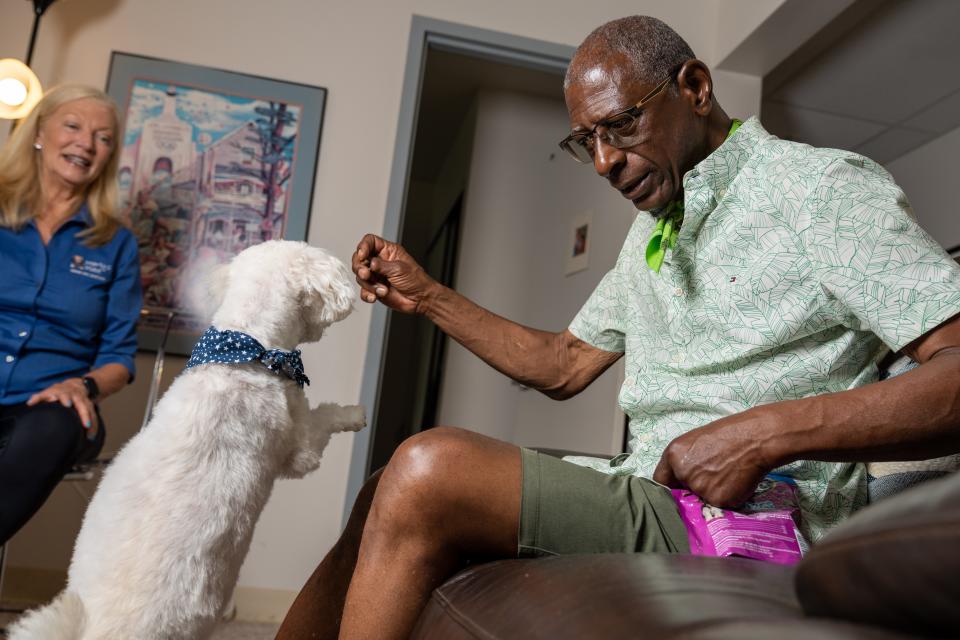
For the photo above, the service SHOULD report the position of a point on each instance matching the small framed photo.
(212, 161)
(578, 243)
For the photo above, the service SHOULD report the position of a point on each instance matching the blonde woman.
(71, 294)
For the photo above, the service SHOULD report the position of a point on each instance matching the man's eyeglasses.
(618, 130)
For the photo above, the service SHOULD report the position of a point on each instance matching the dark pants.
(38, 446)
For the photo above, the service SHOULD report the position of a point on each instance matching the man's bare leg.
(316, 612)
(447, 495)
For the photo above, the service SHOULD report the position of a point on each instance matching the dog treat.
(764, 529)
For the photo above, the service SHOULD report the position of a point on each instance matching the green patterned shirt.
(793, 268)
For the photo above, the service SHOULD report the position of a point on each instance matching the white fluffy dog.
(164, 537)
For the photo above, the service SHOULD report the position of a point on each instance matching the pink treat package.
(764, 529)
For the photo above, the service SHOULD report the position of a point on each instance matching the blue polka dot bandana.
(234, 347)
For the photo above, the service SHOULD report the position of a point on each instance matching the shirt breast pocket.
(727, 307)
(760, 302)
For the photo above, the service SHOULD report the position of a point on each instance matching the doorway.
(413, 357)
(447, 64)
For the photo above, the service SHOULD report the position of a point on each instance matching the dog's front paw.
(353, 418)
(335, 418)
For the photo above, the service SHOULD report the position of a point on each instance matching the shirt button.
(8, 359)
(22, 334)
(678, 292)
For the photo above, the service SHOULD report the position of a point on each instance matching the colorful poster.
(206, 171)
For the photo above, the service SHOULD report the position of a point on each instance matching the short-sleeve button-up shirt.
(794, 269)
(65, 308)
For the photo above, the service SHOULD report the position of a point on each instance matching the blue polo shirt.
(65, 308)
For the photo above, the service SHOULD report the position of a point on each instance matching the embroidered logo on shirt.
(89, 268)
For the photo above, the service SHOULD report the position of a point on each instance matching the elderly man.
(751, 302)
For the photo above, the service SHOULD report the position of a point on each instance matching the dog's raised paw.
(354, 417)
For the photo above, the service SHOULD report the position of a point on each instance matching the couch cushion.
(605, 595)
(896, 564)
(886, 479)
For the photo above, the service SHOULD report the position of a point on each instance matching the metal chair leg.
(3, 576)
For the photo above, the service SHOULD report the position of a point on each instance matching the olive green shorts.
(566, 508)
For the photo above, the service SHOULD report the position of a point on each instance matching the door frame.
(426, 34)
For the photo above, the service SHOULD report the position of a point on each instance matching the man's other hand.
(721, 462)
(386, 272)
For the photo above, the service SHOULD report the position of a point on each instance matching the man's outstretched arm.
(915, 415)
(558, 364)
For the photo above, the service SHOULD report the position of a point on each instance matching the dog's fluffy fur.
(164, 537)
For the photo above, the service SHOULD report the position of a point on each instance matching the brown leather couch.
(891, 571)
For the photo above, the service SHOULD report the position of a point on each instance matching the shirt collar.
(82, 216)
(719, 169)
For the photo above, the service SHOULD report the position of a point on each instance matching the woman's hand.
(71, 393)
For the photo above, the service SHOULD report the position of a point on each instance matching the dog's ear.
(208, 287)
(329, 292)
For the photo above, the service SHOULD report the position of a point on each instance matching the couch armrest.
(640, 595)
(895, 564)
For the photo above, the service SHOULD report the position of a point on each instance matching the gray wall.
(928, 176)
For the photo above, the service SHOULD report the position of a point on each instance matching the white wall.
(928, 176)
(522, 196)
(739, 94)
(736, 20)
(357, 50)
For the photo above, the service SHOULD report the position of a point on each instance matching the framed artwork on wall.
(212, 162)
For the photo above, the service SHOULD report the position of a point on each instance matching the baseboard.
(28, 586)
(262, 605)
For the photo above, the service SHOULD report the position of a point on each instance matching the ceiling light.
(19, 89)
(12, 92)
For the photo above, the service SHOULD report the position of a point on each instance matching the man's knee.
(420, 479)
(429, 456)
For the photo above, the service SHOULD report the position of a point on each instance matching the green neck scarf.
(668, 226)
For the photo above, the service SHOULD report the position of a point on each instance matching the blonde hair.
(20, 193)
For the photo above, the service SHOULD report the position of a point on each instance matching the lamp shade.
(20, 89)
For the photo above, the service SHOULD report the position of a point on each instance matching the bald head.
(650, 48)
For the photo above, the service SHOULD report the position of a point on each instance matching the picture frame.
(579, 240)
(212, 161)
